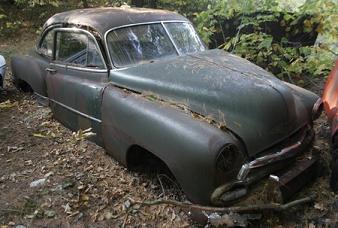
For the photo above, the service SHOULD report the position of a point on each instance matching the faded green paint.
(259, 108)
(240, 97)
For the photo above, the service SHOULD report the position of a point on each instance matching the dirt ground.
(78, 185)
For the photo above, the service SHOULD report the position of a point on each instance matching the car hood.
(249, 101)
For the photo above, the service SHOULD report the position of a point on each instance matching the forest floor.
(79, 185)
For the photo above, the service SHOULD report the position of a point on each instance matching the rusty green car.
(146, 85)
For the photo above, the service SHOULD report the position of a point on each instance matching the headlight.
(317, 109)
(229, 158)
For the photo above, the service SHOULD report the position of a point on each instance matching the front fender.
(188, 146)
(306, 97)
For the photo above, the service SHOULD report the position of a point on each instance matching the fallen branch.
(11, 210)
(239, 209)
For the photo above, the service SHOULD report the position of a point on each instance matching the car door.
(76, 79)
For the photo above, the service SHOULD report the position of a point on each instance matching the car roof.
(106, 18)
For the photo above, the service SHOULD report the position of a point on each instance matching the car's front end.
(289, 162)
(2, 70)
(271, 120)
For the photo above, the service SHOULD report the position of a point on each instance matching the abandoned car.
(2, 70)
(330, 99)
(145, 83)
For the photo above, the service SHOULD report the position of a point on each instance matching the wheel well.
(23, 85)
(140, 159)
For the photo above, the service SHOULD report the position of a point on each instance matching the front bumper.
(261, 167)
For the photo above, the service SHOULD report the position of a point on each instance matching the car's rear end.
(2, 70)
(330, 99)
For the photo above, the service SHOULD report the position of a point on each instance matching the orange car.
(330, 99)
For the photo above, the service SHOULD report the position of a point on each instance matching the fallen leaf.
(67, 208)
(39, 135)
(37, 183)
(84, 197)
(50, 213)
(319, 206)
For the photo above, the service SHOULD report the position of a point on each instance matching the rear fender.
(32, 71)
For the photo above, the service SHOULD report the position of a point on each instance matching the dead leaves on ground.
(8, 104)
(81, 183)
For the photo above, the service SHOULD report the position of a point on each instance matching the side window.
(46, 46)
(77, 49)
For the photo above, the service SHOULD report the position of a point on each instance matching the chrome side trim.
(42, 99)
(77, 112)
(41, 96)
(285, 153)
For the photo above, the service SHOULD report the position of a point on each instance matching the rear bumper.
(2, 74)
(261, 167)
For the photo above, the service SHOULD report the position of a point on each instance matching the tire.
(334, 173)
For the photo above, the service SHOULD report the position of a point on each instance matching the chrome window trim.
(171, 38)
(42, 36)
(88, 69)
(137, 24)
(78, 30)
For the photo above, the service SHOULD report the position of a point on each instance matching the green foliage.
(287, 63)
(296, 64)
(290, 63)
(34, 3)
(185, 7)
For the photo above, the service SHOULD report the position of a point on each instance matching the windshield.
(149, 42)
(185, 37)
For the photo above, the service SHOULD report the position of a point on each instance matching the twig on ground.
(239, 209)
(171, 180)
(10, 210)
(125, 219)
(159, 180)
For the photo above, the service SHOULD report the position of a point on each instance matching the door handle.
(51, 70)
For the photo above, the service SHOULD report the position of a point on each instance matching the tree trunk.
(85, 3)
(137, 3)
